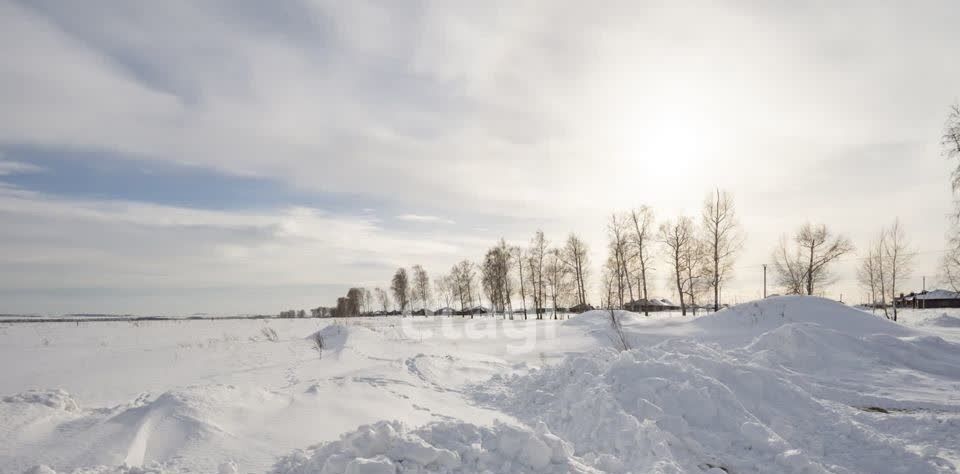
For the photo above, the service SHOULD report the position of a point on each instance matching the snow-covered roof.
(939, 295)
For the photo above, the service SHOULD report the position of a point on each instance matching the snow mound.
(600, 325)
(943, 321)
(685, 406)
(600, 318)
(334, 337)
(54, 398)
(44, 469)
(751, 319)
(810, 348)
(389, 447)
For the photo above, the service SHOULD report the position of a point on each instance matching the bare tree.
(677, 237)
(537, 258)
(558, 280)
(444, 288)
(421, 285)
(868, 273)
(898, 259)
(575, 257)
(464, 277)
(520, 258)
(788, 268)
(695, 267)
(950, 265)
(367, 299)
(619, 258)
(807, 267)
(722, 238)
(383, 298)
(642, 220)
(400, 286)
(609, 285)
(951, 143)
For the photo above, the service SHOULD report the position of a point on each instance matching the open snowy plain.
(788, 384)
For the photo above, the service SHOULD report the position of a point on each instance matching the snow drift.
(389, 447)
(771, 386)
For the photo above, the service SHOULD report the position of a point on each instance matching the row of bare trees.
(889, 261)
(509, 275)
(700, 257)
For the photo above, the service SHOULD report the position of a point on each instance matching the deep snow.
(788, 384)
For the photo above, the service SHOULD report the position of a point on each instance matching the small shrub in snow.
(270, 334)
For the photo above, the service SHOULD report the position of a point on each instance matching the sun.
(662, 144)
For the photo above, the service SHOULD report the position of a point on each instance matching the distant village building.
(650, 305)
(445, 311)
(581, 308)
(929, 299)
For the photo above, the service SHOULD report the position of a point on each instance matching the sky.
(248, 157)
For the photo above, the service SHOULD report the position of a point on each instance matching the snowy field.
(789, 384)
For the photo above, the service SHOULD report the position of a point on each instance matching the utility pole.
(924, 292)
(764, 280)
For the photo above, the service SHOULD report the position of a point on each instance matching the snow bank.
(757, 317)
(54, 398)
(811, 348)
(44, 469)
(389, 447)
(944, 321)
(599, 318)
(600, 325)
(683, 406)
(334, 337)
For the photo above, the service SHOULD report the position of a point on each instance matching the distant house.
(581, 308)
(419, 312)
(445, 311)
(929, 299)
(473, 310)
(650, 305)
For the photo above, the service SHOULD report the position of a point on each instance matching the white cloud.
(8, 168)
(423, 218)
(409, 103)
(525, 114)
(128, 244)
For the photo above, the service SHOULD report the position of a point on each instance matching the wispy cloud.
(8, 168)
(424, 218)
(507, 117)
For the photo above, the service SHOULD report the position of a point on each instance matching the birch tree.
(642, 238)
(868, 274)
(537, 256)
(676, 238)
(618, 259)
(520, 257)
(722, 239)
(576, 258)
(421, 285)
(898, 259)
(383, 298)
(444, 290)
